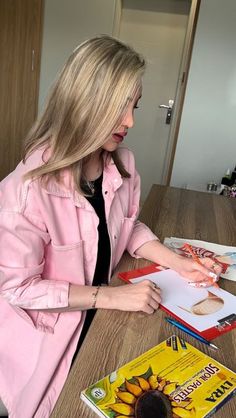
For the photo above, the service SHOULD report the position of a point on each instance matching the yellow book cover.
(171, 380)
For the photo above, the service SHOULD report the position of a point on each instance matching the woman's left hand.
(202, 274)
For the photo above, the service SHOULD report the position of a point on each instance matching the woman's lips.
(118, 137)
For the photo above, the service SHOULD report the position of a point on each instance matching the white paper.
(177, 295)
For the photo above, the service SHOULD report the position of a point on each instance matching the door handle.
(164, 106)
(169, 108)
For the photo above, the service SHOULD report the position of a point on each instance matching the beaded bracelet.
(94, 295)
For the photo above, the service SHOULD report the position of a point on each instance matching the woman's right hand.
(144, 296)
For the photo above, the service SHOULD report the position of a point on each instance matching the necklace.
(91, 186)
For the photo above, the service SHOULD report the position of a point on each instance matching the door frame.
(181, 84)
(180, 91)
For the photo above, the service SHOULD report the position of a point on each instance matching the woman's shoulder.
(34, 160)
(13, 188)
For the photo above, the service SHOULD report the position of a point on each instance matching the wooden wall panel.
(20, 50)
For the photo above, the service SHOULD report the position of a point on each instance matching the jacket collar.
(112, 180)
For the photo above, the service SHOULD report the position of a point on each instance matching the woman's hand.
(202, 274)
(143, 296)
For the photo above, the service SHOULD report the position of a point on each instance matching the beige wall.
(66, 24)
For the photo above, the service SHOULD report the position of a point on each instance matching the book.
(171, 380)
(224, 255)
(209, 312)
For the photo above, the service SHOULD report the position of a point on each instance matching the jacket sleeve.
(140, 233)
(22, 244)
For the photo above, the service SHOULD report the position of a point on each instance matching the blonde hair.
(85, 106)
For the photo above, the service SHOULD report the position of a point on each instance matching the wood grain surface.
(115, 337)
(20, 52)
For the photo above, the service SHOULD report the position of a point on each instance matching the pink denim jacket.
(48, 239)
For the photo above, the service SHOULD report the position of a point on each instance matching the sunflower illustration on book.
(163, 383)
(149, 396)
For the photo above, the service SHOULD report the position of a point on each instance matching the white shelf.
(202, 188)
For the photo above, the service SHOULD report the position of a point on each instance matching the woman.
(69, 211)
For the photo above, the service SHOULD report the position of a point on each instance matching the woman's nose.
(128, 119)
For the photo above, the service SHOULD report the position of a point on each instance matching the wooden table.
(117, 337)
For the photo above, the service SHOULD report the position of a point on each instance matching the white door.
(156, 29)
(207, 136)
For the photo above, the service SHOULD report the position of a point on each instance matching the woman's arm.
(186, 267)
(143, 243)
(143, 296)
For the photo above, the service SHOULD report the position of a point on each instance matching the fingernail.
(194, 284)
(213, 275)
(198, 284)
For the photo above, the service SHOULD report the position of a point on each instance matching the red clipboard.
(225, 325)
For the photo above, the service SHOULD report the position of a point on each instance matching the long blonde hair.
(85, 106)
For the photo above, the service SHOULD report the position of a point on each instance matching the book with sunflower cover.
(171, 380)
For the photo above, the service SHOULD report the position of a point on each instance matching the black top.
(104, 251)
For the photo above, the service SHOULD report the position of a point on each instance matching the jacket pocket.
(65, 262)
(62, 262)
(42, 321)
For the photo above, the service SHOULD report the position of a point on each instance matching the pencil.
(190, 332)
(189, 248)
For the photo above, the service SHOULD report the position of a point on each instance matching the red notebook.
(225, 322)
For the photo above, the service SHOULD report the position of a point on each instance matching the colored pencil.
(189, 248)
(190, 332)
